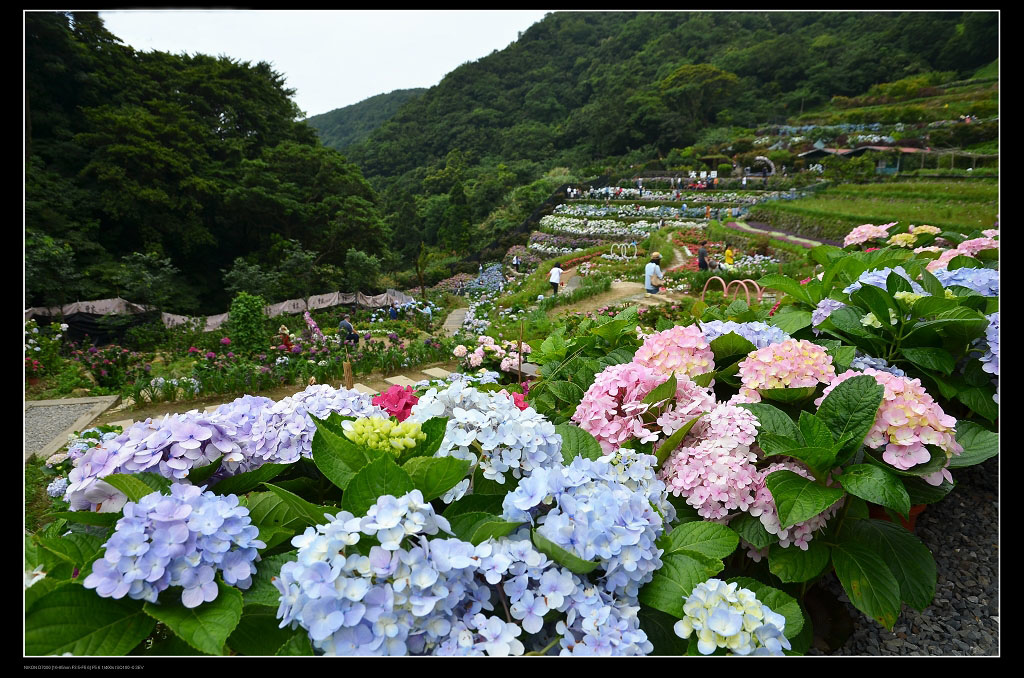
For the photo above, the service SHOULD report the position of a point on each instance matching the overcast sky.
(332, 58)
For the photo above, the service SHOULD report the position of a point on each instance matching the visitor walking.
(556, 277)
(702, 256)
(393, 312)
(652, 274)
(515, 262)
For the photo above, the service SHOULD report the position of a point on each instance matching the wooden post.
(347, 372)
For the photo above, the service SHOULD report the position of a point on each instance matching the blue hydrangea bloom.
(757, 333)
(863, 361)
(984, 281)
(878, 278)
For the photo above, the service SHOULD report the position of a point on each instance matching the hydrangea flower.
(903, 240)
(488, 429)
(878, 278)
(862, 362)
(984, 281)
(57, 487)
(990, 361)
(384, 434)
(714, 469)
(727, 616)
(397, 401)
(790, 364)
(822, 311)
(757, 333)
(611, 410)
(763, 507)
(925, 229)
(907, 420)
(866, 232)
(682, 350)
(181, 539)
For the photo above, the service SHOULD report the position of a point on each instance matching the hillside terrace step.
(400, 380)
(363, 388)
(436, 372)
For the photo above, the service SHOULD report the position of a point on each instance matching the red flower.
(775, 308)
(397, 401)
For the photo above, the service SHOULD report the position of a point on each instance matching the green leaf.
(961, 324)
(86, 517)
(492, 528)
(795, 565)
(842, 356)
(660, 630)
(76, 620)
(568, 560)
(199, 475)
(787, 285)
(207, 627)
(824, 254)
(464, 525)
(932, 285)
(791, 322)
(307, 513)
(337, 457)
(814, 431)
(709, 539)
(909, 560)
(268, 511)
(663, 324)
(771, 419)
(876, 300)
(297, 646)
(730, 345)
(877, 485)
(486, 503)
(963, 261)
(698, 308)
(577, 443)
(435, 428)
(482, 485)
(566, 391)
(673, 441)
(777, 601)
(894, 283)
(81, 550)
(929, 306)
(935, 463)
(750, 529)
(135, 486)
(788, 396)
(818, 459)
(379, 477)
(921, 492)
(931, 359)
(684, 512)
(978, 442)
(868, 581)
(257, 633)
(664, 391)
(674, 581)
(433, 476)
(704, 379)
(250, 480)
(262, 591)
(849, 411)
(980, 401)
(797, 498)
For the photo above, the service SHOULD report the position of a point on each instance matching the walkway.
(454, 321)
(766, 229)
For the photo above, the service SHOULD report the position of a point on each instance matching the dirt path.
(619, 292)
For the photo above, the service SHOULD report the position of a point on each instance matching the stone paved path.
(754, 227)
(454, 321)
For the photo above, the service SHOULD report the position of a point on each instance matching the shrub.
(247, 324)
(725, 169)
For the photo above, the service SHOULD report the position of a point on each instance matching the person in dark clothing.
(702, 256)
(345, 328)
(393, 312)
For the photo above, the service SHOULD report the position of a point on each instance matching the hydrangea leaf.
(797, 498)
(257, 632)
(268, 511)
(849, 411)
(909, 560)
(963, 261)
(81, 550)
(206, 627)
(674, 440)
(895, 282)
(788, 396)
(617, 356)
(791, 322)
(337, 457)
(877, 301)
(795, 565)
(464, 525)
(296, 646)
(674, 581)
(570, 561)
(771, 419)
(86, 517)
(842, 356)
(730, 345)
(135, 486)
(492, 528)
(482, 485)
(979, 400)
(262, 591)
(787, 285)
(663, 391)
(813, 431)
(379, 477)
(434, 428)
(704, 379)
(74, 619)
(660, 630)
(935, 463)
(566, 391)
(663, 324)
(847, 320)
(751, 530)
(200, 474)
(921, 492)
(777, 601)
(709, 539)
(684, 512)
(931, 359)
(978, 442)
(877, 485)
(433, 476)
(868, 581)
(250, 480)
(487, 503)
(929, 306)
(577, 443)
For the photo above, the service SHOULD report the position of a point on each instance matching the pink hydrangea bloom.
(789, 364)
(866, 232)
(517, 398)
(397, 401)
(612, 409)
(460, 351)
(476, 358)
(716, 475)
(681, 350)
(972, 247)
(763, 507)
(991, 233)
(907, 420)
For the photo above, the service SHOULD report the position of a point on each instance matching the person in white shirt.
(652, 270)
(556, 277)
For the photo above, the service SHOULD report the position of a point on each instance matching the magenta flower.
(211, 355)
(225, 341)
(397, 401)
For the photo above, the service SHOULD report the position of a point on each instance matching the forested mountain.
(579, 88)
(343, 127)
(149, 173)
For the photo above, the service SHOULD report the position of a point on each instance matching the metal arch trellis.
(624, 248)
(770, 163)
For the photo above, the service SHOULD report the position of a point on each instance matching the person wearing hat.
(653, 274)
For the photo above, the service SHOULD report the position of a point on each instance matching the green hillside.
(343, 127)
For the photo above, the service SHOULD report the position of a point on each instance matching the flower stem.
(544, 650)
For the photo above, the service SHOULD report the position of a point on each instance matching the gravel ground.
(43, 424)
(962, 532)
